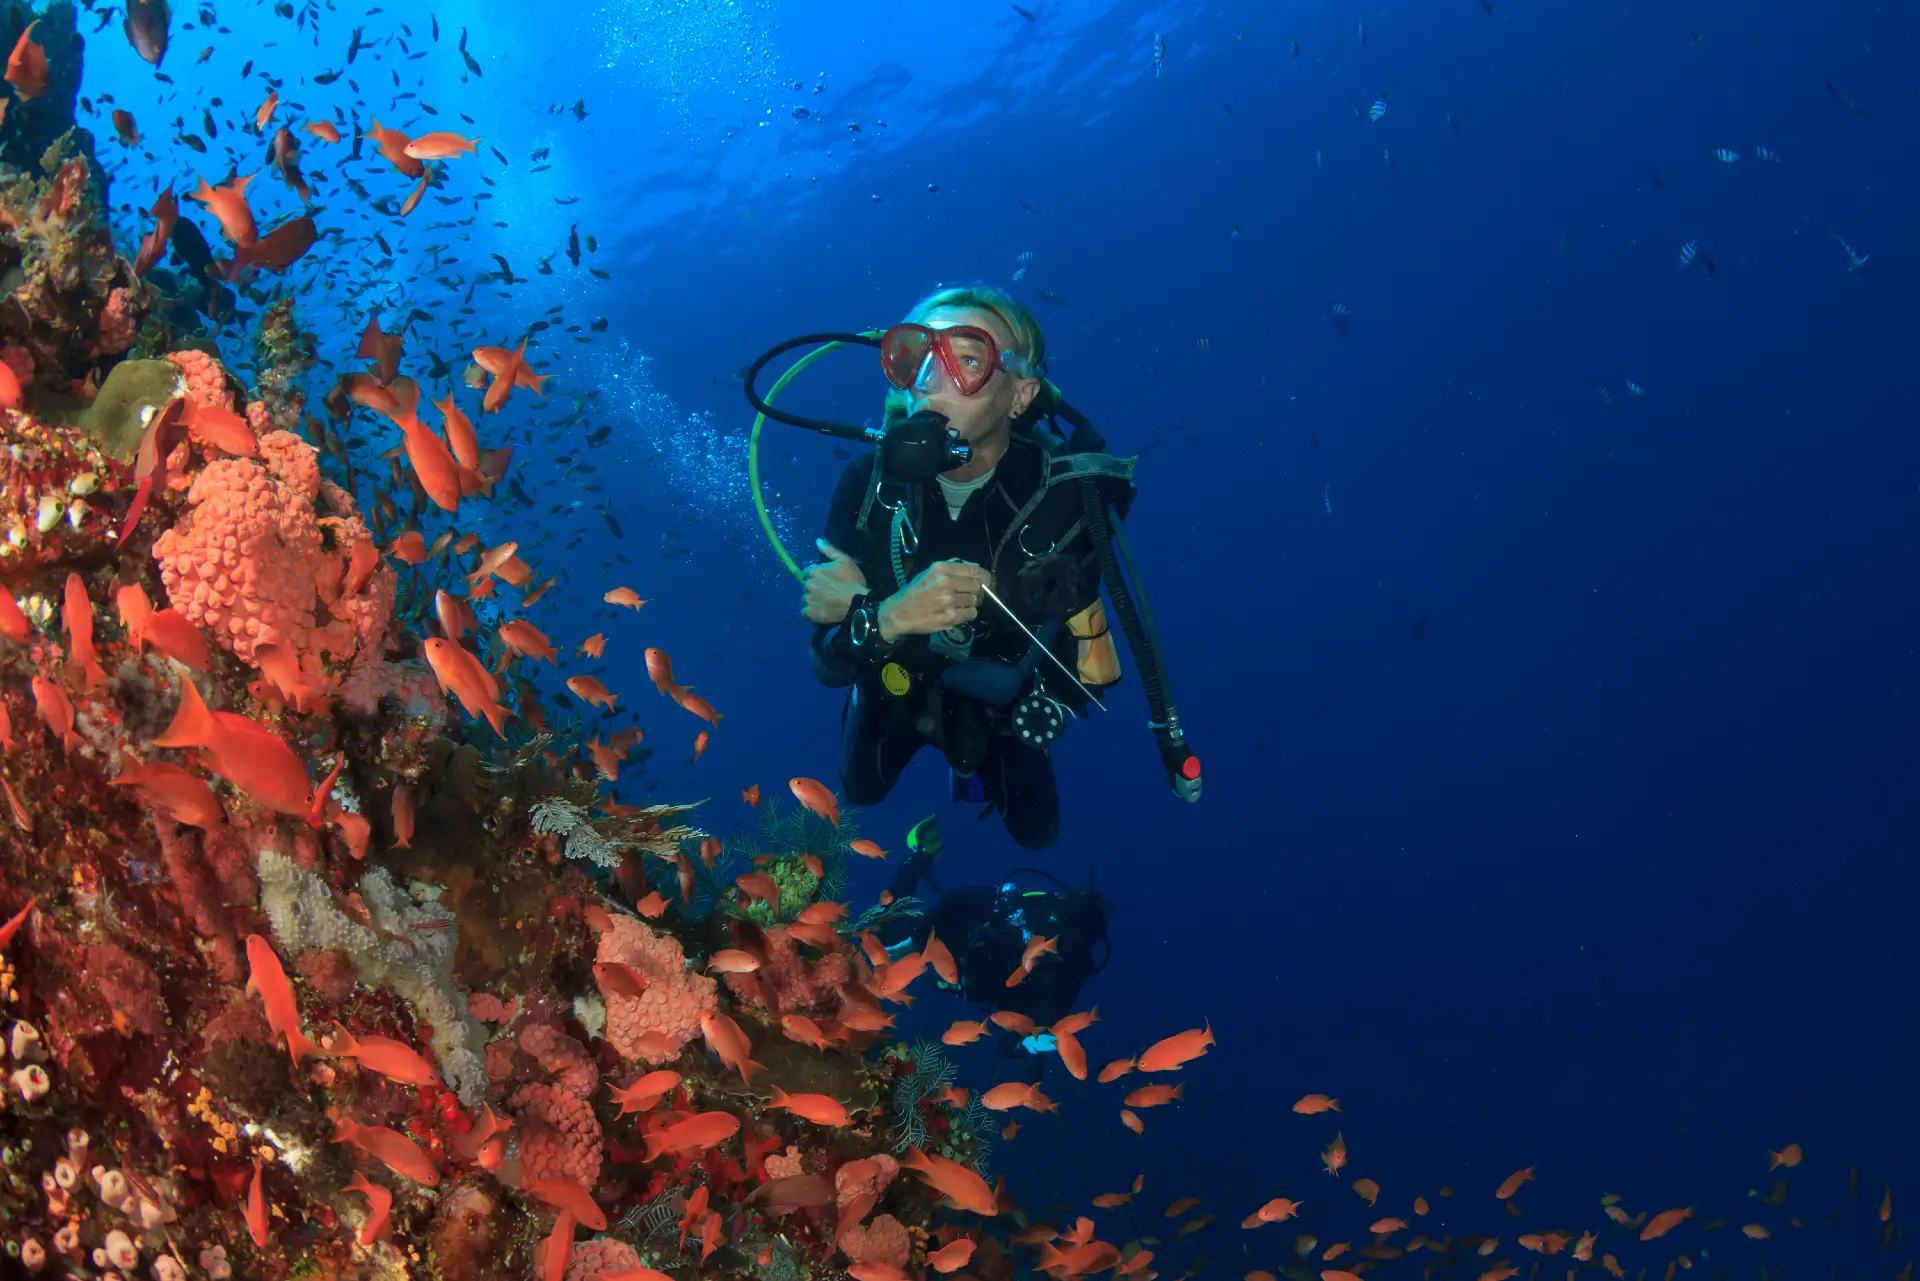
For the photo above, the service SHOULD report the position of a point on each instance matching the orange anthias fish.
(1072, 1054)
(699, 706)
(660, 672)
(643, 1094)
(1114, 1070)
(77, 612)
(1367, 1190)
(594, 645)
(1132, 1121)
(1168, 1055)
(963, 1033)
(1335, 1156)
(524, 638)
(1788, 1156)
(1278, 1210)
(392, 1148)
(1316, 1103)
(56, 711)
(379, 1207)
(228, 204)
(818, 1108)
(174, 792)
(269, 979)
(220, 427)
(325, 130)
(556, 1252)
(816, 798)
(257, 1209)
(617, 978)
(444, 146)
(14, 624)
(591, 690)
(266, 110)
(1513, 1182)
(393, 145)
(940, 957)
(868, 849)
(172, 634)
(247, 754)
(952, 1256)
(1153, 1096)
(624, 596)
(409, 548)
(27, 65)
(565, 1194)
(460, 672)
(1665, 1222)
(724, 1038)
(962, 1188)
(392, 1059)
(166, 210)
(695, 1134)
(1181, 1206)
(432, 462)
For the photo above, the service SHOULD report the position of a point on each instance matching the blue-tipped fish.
(1378, 109)
(1726, 155)
(1634, 388)
(1688, 252)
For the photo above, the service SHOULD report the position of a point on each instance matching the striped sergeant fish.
(1767, 156)
(1726, 155)
(1378, 109)
(1688, 252)
(1159, 54)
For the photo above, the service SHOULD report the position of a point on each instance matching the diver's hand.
(946, 594)
(832, 585)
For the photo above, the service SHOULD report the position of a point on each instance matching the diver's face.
(994, 406)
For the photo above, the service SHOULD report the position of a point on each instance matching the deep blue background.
(1612, 871)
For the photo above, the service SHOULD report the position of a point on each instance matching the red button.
(1190, 768)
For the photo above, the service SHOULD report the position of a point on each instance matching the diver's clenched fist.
(945, 594)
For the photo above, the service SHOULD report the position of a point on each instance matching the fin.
(193, 725)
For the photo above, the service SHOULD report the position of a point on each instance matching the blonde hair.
(1029, 343)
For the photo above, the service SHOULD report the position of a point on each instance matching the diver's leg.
(1020, 780)
(872, 755)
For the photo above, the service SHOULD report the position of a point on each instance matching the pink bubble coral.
(558, 1053)
(253, 562)
(795, 986)
(786, 1165)
(205, 379)
(675, 998)
(604, 1257)
(557, 1134)
(884, 1240)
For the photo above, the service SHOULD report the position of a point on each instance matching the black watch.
(863, 628)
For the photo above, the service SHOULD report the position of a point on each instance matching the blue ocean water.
(1606, 865)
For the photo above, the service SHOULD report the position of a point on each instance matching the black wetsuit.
(1044, 583)
(987, 930)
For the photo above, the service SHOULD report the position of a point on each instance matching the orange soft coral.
(675, 998)
(252, 563)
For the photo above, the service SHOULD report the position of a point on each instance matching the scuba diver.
(958, 594)
(988, 927)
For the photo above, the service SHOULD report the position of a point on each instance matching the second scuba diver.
(958, 594)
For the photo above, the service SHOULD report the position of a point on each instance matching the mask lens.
(973, 360)
(903, 349)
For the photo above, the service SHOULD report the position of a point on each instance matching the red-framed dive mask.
(969, 356)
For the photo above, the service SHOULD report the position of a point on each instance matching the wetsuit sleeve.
(836, 663)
